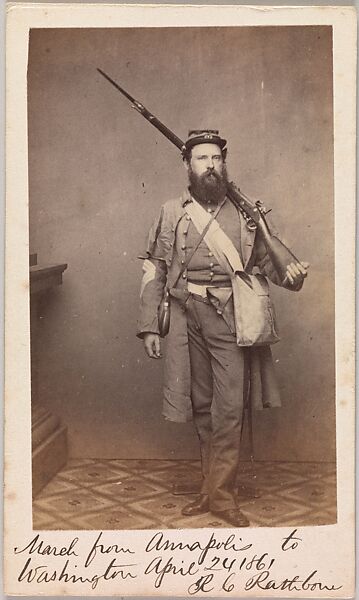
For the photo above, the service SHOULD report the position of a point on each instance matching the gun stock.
(278, 252)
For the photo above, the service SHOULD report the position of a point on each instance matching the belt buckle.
(204, 291)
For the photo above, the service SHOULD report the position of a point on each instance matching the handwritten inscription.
(102, 549)
(75, 571)
(159, 542)
(225, 565)
(263, 581)
(44, 574)
(217, 564)
(291, 542)
(38, 546)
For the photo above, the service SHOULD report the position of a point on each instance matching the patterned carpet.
(138, 494)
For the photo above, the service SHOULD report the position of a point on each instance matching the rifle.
(254, 213)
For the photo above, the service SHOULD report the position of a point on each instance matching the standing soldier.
(191, 250)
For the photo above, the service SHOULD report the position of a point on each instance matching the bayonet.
(146, 113)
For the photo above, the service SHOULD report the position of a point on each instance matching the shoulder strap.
(202, 234)
(217, 240)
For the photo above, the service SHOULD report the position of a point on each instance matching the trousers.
(217, 392)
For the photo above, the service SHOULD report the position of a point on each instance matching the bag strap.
(220, 244)
(195, 248)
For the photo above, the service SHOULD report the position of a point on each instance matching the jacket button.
(211, 265)
(210, 253)
(183, 247)
(188, 218)
(211, 274)
(184, 275)
(219, 311)
(182, 261)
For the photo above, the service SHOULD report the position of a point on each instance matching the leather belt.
(201, 290)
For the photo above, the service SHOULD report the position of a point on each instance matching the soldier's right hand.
(152, 344)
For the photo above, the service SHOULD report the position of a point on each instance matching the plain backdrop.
(98, 173)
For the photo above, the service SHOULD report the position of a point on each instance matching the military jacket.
(162, 264)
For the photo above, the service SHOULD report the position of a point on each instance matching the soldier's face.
(206, 159)
(207, 173)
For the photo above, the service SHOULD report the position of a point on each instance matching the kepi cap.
(203, 136)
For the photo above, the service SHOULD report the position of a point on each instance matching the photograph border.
(17, 500)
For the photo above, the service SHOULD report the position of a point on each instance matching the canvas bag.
(253, 309)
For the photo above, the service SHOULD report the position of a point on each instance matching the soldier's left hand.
(296, 273)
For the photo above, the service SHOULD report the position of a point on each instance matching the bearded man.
(207, 375)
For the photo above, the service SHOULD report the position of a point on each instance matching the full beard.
(209, 187)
